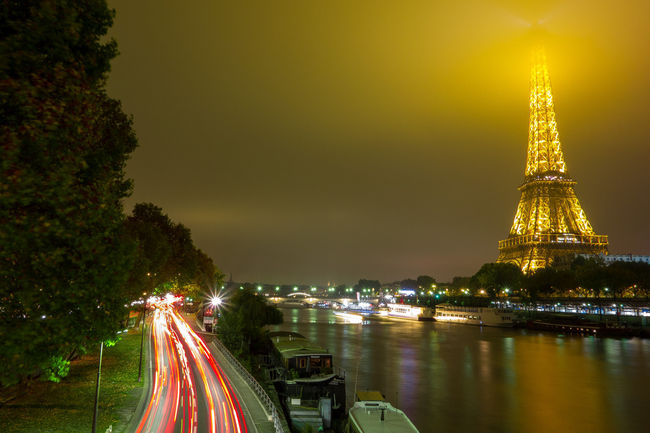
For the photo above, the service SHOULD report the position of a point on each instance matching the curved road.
(189, 393)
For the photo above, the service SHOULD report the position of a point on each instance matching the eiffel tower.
(549, 221)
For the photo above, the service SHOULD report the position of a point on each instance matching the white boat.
(374, 415)
(408, 312)
(482, 316)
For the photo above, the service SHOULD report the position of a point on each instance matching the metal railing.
(555, 238)
(264, 398)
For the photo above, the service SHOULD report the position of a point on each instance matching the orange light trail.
(178, 401)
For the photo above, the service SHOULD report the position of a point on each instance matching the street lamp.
(99, 375)
(144, 315)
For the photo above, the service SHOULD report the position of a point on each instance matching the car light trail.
(189, 391)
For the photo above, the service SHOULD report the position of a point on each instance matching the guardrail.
(266, 401)
(566, 239)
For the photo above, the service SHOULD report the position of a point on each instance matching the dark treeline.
(71, 261)
(165, 258)
(583, 277)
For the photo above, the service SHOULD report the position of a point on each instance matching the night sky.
(314, 142)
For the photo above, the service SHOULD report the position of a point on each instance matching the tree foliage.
(583, 276)
(64, 258)
(494, 277)
(367, 284)
(39, 35)
(242, 321)
(425, 282)
(166, 257)
(408, 284)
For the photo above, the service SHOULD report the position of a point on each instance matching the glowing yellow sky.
(330, 141)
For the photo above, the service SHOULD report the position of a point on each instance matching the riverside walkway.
(259, 411)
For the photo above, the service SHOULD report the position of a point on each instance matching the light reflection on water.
(456, 378)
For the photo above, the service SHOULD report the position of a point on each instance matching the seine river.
(459, 378)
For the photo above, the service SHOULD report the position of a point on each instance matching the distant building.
(564, 262)
(611, 258)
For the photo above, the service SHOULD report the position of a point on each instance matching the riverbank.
(68, 406)
(584, 324)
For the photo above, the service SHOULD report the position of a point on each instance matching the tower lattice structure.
(549, 221)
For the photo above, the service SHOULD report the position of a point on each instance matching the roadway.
(189, 391)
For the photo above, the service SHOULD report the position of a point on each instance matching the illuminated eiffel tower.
(549, 221)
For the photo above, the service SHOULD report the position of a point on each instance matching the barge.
(311, 388)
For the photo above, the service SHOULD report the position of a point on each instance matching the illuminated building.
(549, 221)
(629, 258)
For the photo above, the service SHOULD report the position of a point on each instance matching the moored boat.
(312, 389)
(372, 414)
(408, 312)
(481, 316)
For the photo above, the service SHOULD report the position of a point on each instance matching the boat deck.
(395, 421)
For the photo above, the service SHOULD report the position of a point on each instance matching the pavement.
(133, 411)
(255, 413)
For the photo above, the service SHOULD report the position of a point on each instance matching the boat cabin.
(300, 355)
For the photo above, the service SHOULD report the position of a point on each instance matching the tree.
(367, 284)
(494, 277)
(539, 283)
(39, 35)
(620, 276)
(590, 274)
(425, 282)
(408, 284)
(64, 258)
(242, 320)
(166, 256)
(147, 228)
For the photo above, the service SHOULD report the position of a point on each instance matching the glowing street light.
(216, 301)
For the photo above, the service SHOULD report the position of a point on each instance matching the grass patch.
(68, 406)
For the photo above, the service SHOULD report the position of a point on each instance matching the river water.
(458, 378)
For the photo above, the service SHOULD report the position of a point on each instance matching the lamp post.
(144, 316)
(99, 374)
(215, 302)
